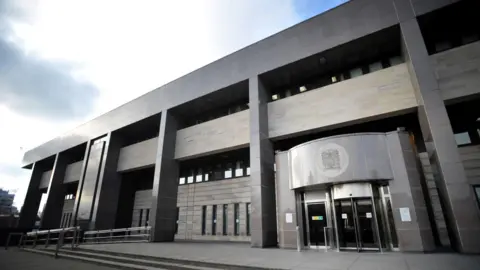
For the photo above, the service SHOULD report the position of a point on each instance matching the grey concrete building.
(357, 129)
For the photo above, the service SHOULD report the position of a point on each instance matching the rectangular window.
(199, 176)
(181, 180)
(204, 216)
(462, 138)
(239, 169)
(228, 171)
(140, 218)
(477, 193)
(375, 66)
(214, 220)
(248, 219)
(176, 223)
(356, 72)
(395, 60)
(225, 213)
(248, 170)
(147, 216)
(218, 173)
(237, 218)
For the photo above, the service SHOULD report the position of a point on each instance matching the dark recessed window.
(225, 219)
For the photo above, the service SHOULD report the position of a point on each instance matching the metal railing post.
(59, 243)
(48, 239)
(8, 241)
(35, 240)
(74, 236)
(325, 237)
(19, 245)
(111, 236)
(298, 239)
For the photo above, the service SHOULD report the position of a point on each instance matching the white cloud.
(127, 48)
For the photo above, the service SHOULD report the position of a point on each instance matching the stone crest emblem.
(332, 160)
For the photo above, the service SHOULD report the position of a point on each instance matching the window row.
(337, 77)
(66, 219)
(70, 197)
(142, 219)
(225, 219)
(220, 171)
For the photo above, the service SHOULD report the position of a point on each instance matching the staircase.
(137, 262)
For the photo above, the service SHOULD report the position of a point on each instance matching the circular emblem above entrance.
(332, 160)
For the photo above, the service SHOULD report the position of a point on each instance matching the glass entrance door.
(317, 221)
(356, 224)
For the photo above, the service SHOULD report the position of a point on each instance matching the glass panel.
(214, 220)
(248, 218)
(356, 72)
(237, 218)
(204, 215)
(218, 174)
(182, 180)
(391, 223)
(375, 66)
(248, 170)
(366, 223)
(190, 179)
(205, 177)
(317, 221)
(225, 213)
(395, 60)
(462, 138)
(346, 224)
(239, 169)
(302, 89)
(228, 171)
(199, 176)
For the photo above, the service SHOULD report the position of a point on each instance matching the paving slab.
(243, 254)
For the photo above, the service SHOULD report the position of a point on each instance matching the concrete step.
(115, 261)
(133, 261)
(207, 265)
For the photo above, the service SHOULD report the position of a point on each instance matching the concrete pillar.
(456, 193)
(286, 204)
(406, 193)
(263, 216)
(52, 212)
(165, 182)
(30, 206)
(109, 185)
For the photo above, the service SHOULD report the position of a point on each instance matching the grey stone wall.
(138, 155)
(470, 156)
(432, 191)
(143, 200)
(45, 180)
(192, 197)
(73, 172)
(458, 71)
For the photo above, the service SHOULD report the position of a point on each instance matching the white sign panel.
(405, 214)
(289, 218)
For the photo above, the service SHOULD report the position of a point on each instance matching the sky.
(65, 62)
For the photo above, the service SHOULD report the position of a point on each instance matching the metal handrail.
(115, 235)
(33, 238)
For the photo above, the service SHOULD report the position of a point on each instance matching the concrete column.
(286, 204)
(109, 185)
(406, 192)
(52, 212)
(165, 182)
(30, 206)
(456, 193)
(262, 158)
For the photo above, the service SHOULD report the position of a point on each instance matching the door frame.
(307, 203)
(357, 226)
